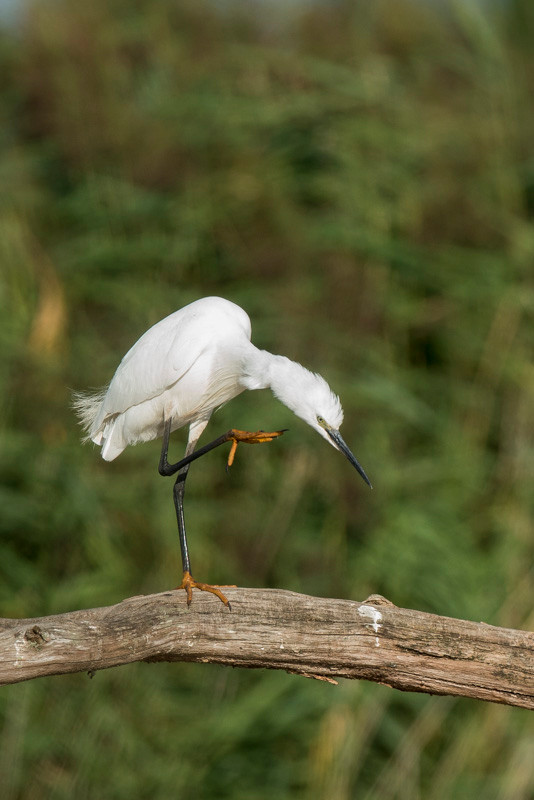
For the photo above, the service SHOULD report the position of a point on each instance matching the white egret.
(180, 371)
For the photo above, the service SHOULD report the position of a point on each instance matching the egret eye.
(320, 420)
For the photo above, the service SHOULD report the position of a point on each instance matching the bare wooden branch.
(316, 637)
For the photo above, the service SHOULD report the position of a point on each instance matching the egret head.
(309, 396)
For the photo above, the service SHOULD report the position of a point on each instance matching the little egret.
(180, 371)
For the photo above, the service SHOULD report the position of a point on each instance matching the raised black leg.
(167, 469)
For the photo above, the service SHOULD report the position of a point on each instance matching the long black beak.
(340, 443)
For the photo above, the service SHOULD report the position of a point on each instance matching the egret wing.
(156, 361)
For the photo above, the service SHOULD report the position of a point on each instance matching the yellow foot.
(189, 584)
(248, 437)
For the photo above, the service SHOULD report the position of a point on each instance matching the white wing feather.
(158, 361)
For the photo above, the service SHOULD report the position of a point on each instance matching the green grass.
(360, 177)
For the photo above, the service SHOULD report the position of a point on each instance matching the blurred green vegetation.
(360, 177)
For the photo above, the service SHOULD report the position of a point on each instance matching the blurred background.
(360, 177)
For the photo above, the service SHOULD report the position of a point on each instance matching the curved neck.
(261, 369)
(264, 370)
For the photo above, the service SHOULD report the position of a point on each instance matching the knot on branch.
(35, 636)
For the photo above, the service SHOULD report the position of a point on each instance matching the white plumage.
(189, 364)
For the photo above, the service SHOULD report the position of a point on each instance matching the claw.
(188, 584)
(231, 454)
(249, 437)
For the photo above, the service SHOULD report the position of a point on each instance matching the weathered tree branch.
(311, 636)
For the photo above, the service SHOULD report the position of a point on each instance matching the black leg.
(178, 495)
(167, 469)
(164, 466)
(182, 468)
(232, 435)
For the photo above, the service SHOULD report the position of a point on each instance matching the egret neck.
(305, 393)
